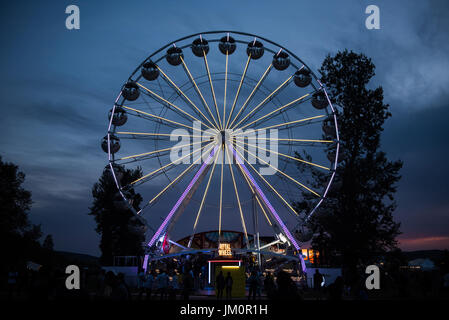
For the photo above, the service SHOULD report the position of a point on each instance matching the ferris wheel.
(220, 124)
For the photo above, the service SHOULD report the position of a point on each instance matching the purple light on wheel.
(181, 199)
(145, 263)
(264, 198)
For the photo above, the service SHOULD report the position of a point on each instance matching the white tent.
(33, 266)
(424, 264)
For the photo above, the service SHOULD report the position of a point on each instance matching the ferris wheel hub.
(223, 137)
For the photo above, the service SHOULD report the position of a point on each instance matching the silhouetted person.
(336, 289)
(109, 284)
(187, 284)
(228, 285)
(269, 286)
(41, 284)
(282, 285)
(253, 282)
(173, 286)
(149, 283)
(12, 283)
(203, 277)
(141, 278)
(196, 274)
(219, 285)
(259, 284)
(317, 280)
(120, 290)
(162, 284)
(100, 283)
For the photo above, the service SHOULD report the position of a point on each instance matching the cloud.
(410, 51)
(423, 243)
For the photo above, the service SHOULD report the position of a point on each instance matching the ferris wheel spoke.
(143, 158)
(149, 175)
(164, 120)
(264, 101)
(294, 124)
(263, 210)
(281, 172)
(152, 135)
(225, 90)
(279, 221)
(302, 144)
(136, 156)
(149, 105)
(170, 105)
(188, 192)
(256, 195)
(286, 124)
(251, 95)
(160, 88)
(221, 193)
(238, 90)
(287, 156)
(237, 196)
(295, 140)
(196, 109)
(203, 199)
(212, 89)
(273, 113)
(268, 184)
(174, 181)
(198, 91)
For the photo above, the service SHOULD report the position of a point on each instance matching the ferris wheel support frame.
(279, 227)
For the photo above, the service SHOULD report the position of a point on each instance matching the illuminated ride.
(234, 108)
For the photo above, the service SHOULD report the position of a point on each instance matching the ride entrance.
(220, 123)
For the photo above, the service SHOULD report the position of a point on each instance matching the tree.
(121, 232)
(18, 236)
(48, 243)
(356, 220)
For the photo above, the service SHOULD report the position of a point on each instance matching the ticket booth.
(234, 268)
(224, 262)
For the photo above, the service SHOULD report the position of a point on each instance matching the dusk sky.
(57, 86)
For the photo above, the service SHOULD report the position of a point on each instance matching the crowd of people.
(165, 284)
(167, 280)
(183, 277)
